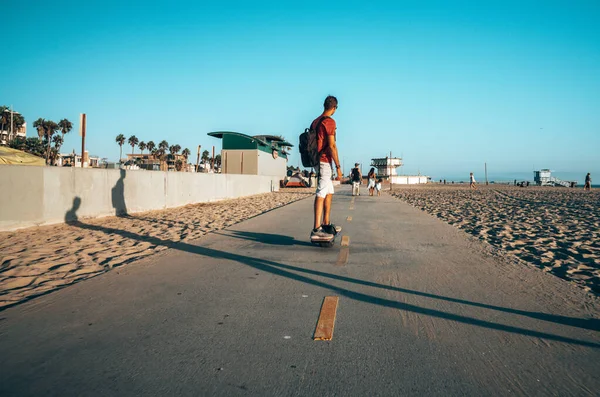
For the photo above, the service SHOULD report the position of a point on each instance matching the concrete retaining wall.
(408, 179)
(33, 196)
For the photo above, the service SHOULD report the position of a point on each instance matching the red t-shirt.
(326, 127)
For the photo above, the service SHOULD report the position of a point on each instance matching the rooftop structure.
(386, 169)
(386, 166)
(253, 155)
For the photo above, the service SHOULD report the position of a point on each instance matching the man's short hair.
(330, 102)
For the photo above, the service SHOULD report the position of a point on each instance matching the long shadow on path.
(283, 270)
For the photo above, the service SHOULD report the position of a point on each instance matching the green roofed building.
(253, 155)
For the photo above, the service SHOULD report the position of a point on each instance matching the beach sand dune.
(555, 229)
(38, 260)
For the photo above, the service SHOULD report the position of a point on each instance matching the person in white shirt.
(472, 182)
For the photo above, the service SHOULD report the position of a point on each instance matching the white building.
(74, 160)
(8, 134)
(386, 169)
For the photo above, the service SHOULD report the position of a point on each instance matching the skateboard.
(330, 242)
(325, 243)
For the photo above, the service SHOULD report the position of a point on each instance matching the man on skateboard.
(324, 230)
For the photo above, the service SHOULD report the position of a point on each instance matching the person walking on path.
(472, 182)
(326, 128)
(588, 182)
(356, 178)
(371, 175)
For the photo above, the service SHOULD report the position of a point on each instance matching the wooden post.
(226, 162)
(242, 166)
(82, 121)
(212, 161)
(198, 158)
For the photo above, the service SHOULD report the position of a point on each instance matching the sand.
(555, 229)
(39, 260)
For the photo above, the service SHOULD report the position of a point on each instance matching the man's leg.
(327, 209)
(319, 201)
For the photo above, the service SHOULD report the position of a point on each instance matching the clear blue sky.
(449, 85)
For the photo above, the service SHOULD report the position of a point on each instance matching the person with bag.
(318, 149)
(356, 178)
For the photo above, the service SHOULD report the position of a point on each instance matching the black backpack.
(309, 145)
(355, 175)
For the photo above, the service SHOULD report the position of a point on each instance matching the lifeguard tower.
(386, 169)
(544, 178)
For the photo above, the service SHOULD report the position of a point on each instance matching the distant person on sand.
(472, 182)
(356, 178)
(325, 127)
(378, 186)
(588, 182)
(371, 175)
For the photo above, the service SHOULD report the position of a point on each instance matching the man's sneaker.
(320, 234)
(332, 229)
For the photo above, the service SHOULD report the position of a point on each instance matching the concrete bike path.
(422, 309)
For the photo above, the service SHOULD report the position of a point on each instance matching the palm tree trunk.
(120, 153)
(48, 150)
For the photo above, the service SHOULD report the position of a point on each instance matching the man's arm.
(334, 154)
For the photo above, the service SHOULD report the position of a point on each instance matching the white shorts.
(324, 184)
(371, 183)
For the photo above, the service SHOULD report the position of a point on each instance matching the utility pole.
(11, 122)
(82, 121)
(486, 180)
(198, 158)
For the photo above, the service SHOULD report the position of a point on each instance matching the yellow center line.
(349, 219)
(345, 241)
(324, 330)
(343, 256)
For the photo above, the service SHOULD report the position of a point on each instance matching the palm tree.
(120, 140)
(150, 146)
(133, 141)
(162, 150)
(54, 153)
(58, 141)
(50, 128)
(186, 153)
(205, 156)
(142, 146)
(174, 149)
(4, 116)
(39, 125)
(218, 160)
(65, 127)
